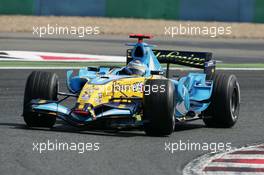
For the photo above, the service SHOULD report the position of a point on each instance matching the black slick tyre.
(39, 85)
(225, 102)
(159, 107)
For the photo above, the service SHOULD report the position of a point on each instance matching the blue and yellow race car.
(139, 95)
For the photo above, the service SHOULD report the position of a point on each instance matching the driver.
(134, 67)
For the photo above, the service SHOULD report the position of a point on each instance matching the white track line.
(228, 164)
(244, 156)
(16, 55)
(36, 56)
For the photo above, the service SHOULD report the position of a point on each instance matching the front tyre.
(159, 107)
(225, 102)
(40, 85)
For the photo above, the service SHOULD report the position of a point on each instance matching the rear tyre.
(40, 85)
(225, 102)
(159, 107)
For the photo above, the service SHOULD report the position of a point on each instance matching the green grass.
(85, 64)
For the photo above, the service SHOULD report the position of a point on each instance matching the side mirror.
(93, 68)
(156, 72)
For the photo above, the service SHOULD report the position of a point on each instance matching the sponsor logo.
(85, 96)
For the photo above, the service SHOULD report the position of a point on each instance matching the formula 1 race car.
(139, 95)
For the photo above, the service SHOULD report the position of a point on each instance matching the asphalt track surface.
(224, 50)
(124, 152)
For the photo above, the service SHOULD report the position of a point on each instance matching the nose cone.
(95, 94)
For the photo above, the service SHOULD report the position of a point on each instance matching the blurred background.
(202, 10)
(115, 19)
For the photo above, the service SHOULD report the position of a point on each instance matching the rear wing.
(200, 60)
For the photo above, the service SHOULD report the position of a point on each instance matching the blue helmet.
(137, 67)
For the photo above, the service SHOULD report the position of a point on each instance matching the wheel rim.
(234, 102)
(173, 119)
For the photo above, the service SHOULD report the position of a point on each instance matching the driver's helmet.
(136, 67)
